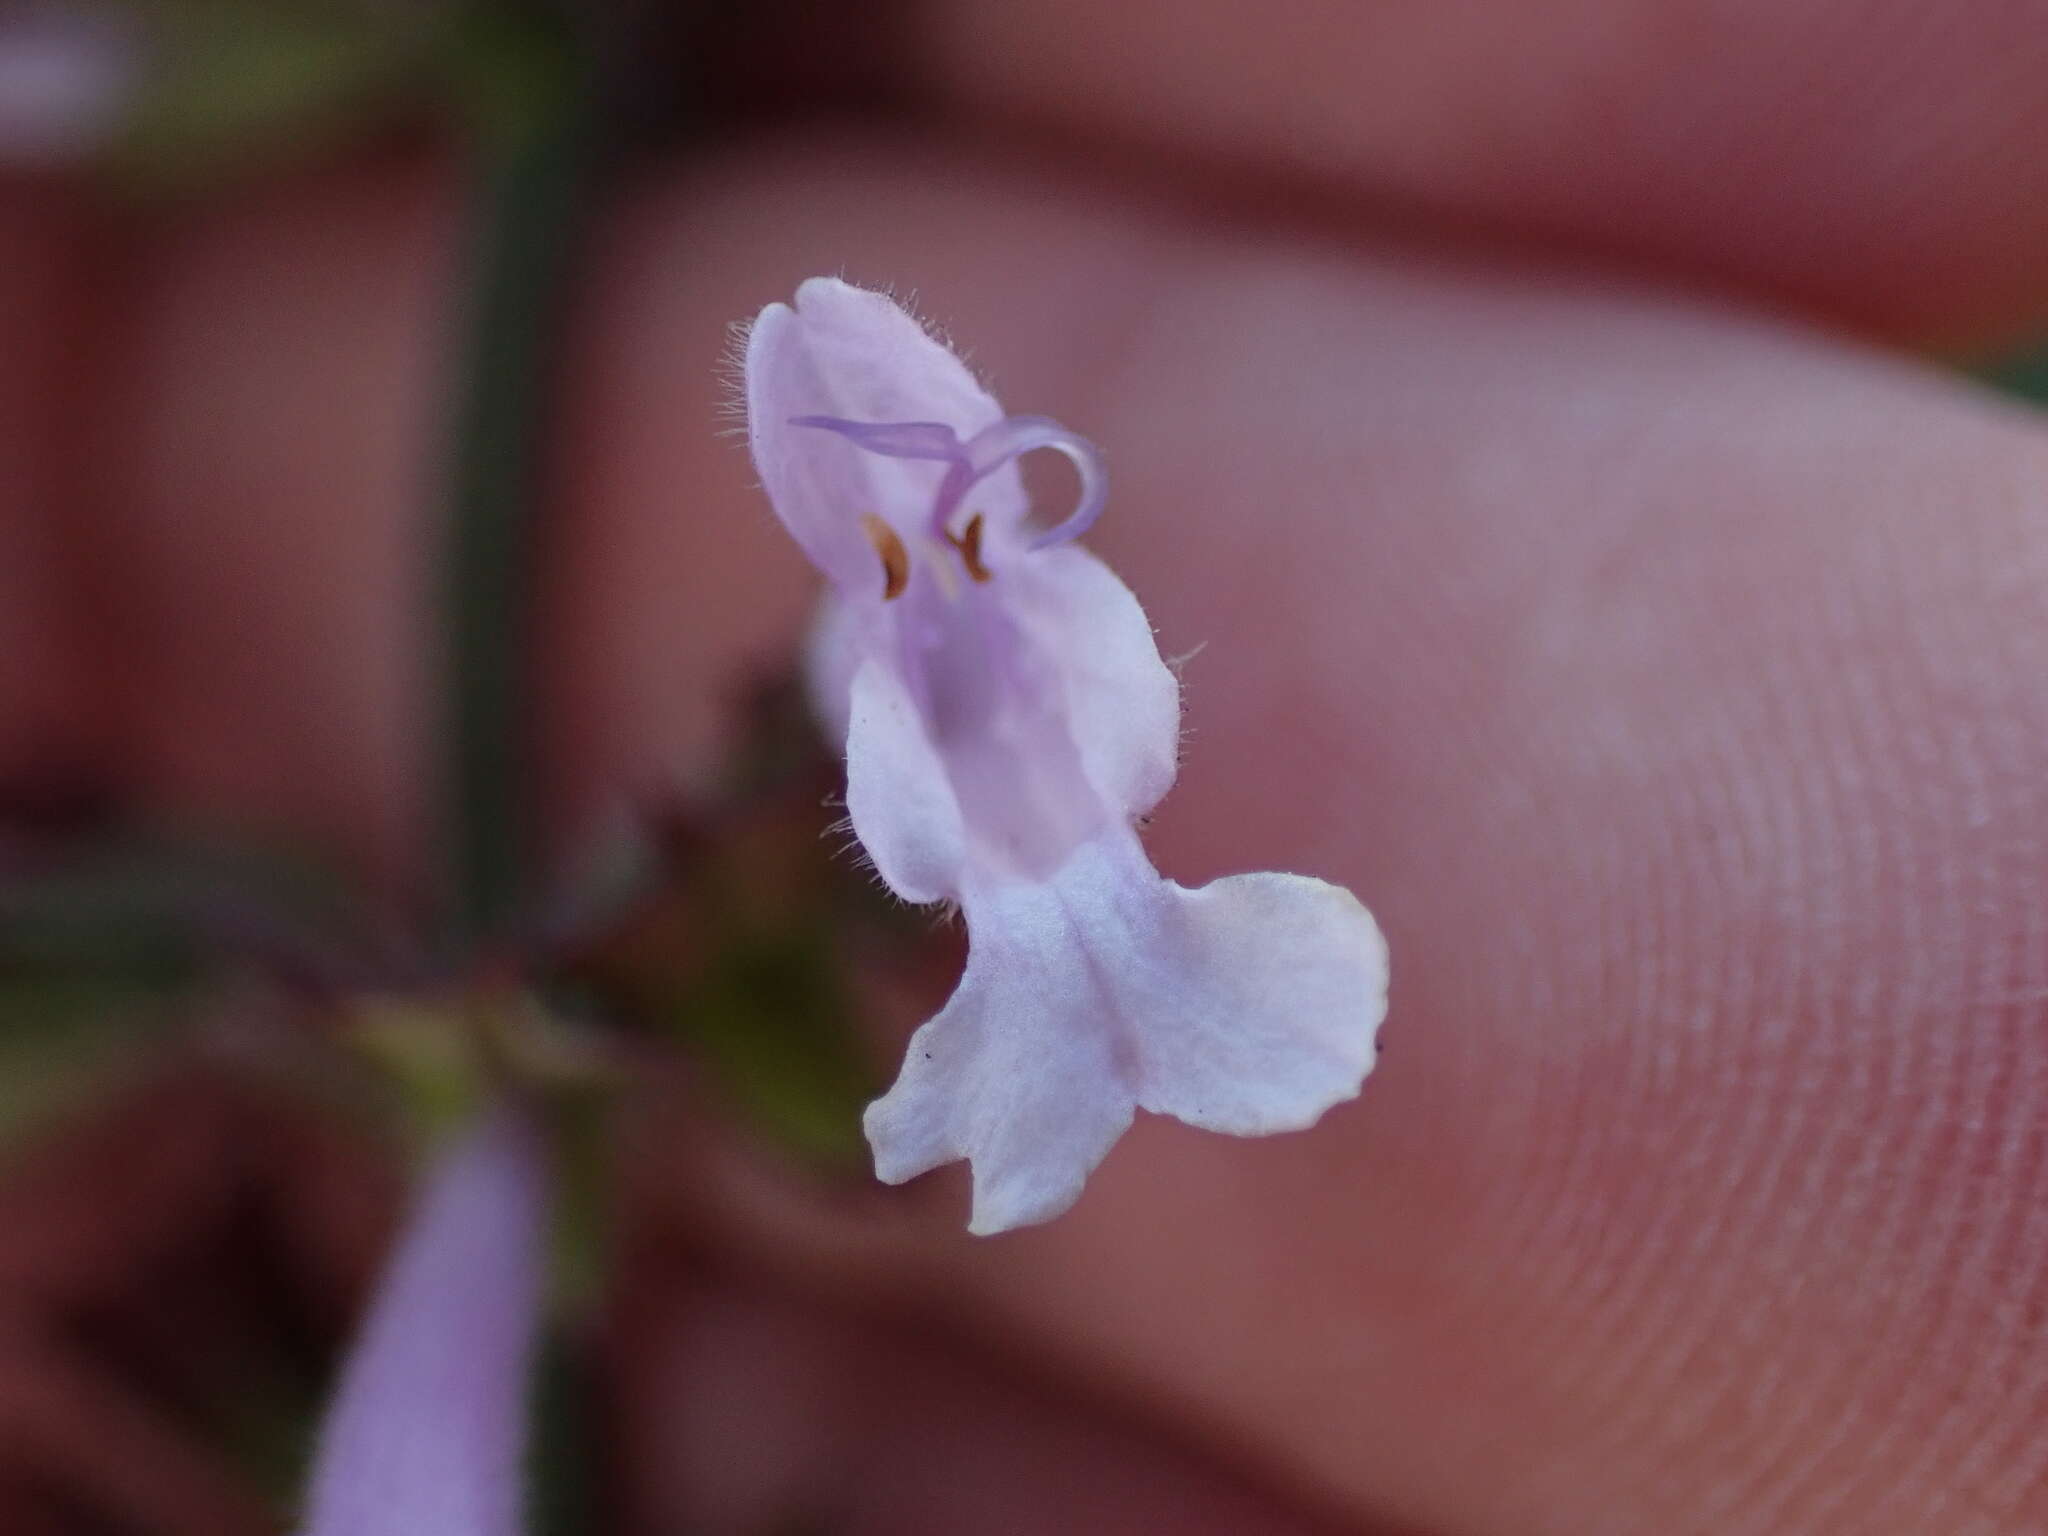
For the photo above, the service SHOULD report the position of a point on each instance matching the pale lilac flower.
(1007, 720)
(427, 1431)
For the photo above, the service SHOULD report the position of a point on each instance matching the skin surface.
(1665, 673)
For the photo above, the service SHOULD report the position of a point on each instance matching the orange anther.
(895, 558)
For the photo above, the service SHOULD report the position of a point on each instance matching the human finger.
(1661, 677)
(1877, 167)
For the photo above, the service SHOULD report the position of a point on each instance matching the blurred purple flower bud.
(66, 76)
(426, 1433)
(1007, 720)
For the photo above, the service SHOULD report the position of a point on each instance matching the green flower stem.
(531, 120)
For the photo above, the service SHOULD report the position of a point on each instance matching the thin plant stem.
(531, 125)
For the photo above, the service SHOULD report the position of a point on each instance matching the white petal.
(897, 793)
(1011, 1074)
(832, 654)
(1122, 701)
(1260, 1005)
(818, 492)
(1248, 1006)
(846, 352)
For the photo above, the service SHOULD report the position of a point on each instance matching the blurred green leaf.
(2025, 375)
(562, 1464)
(63, 1039)
(579, 1120)
(738, 952)
(268, 1425)
(100, 952)
(445, 1060)
(428, 1054)
(154, 910)
(771, 1020)
(235, 85)
(518, 73)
